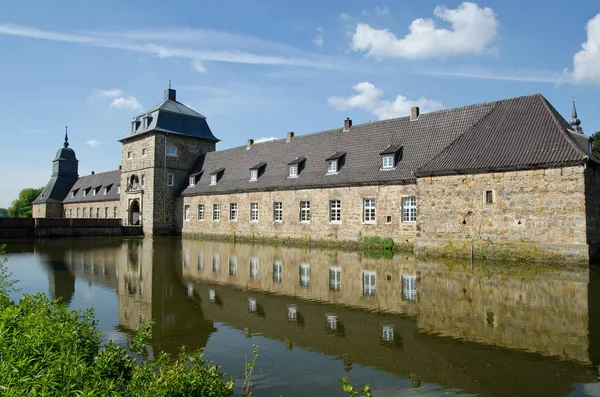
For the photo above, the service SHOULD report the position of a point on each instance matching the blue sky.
(259, 69)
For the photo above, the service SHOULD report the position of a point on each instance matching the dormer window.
(95, 191)
(215, 176)
(387, 162)
(172, 151)
(74, 192)
(391, 156)
(192, 181)
(85, 191)
(257, 171)
(334, 162)
(296, 166)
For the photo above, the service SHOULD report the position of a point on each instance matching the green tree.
(21, 207)
(596, 143)
(3, 213)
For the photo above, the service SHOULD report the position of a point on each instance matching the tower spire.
(66, 144)
(574, 120)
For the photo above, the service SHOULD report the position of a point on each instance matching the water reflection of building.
(435, 320)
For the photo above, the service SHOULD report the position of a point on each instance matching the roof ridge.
(554, 114)
(454, 142)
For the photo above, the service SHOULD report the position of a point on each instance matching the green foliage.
(376, 243)
(21, 207)
(248, 370)
(3, 213)
(348, 388)
(47, 349)
(596, 143)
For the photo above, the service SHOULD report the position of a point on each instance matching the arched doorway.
(135, 215)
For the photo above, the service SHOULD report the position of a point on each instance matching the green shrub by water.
(377, 244)
(49, 350)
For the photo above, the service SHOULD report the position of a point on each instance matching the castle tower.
(64, 175)
(159, 149)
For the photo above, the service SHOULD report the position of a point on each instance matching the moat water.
(406, 326)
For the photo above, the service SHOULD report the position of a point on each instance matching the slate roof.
(519, 133)
(55, 190)
(172, 117)
(101, 180)
(516, 133)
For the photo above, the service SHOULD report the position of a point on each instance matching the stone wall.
(537, 214)
(351, 227)
(158, 202)
(99, 210)
(47, 210)
(592, 209)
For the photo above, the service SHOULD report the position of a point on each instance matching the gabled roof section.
(110, 180)
(297, 160)
(258, 166)
(391, 149)
(519, 133)
(56, 190)
(170, 116)
(336, 156)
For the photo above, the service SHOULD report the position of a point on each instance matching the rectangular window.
(91, 212)
(85, 192)
(489, 197)
(277, 271)
(254, 268)
(70, 212)
(143, 180)
(388, 333)
(213, 179)
(233, 212)
(253, 175)
(278, 211)
(216, 212)
(293, 171)
(409, 209)
(95, 191)
(232, 265)
(304, 211)
(84, 212)
(192, 181)
(170, 179)
(106, 212)
(171, 151)
(369, 210)
(105, 190)
(114, 212)
(200, 212)
(335, 278)
(97, 212)
(332, 166)
(304, 275)
(129, 155)
(144, 151)
(216, 262)
(335, 211)
(253, 212)
(387, 162)
(369, 283)
(409, 288)
(77, 213)
(201, 261)
(186, 213)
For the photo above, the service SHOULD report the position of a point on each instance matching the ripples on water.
(407, 326)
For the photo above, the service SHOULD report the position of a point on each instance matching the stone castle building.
(509, 178)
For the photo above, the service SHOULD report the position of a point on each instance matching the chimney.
(414, 113)
(93, 172)
(347, 124)
(249, 144)
(290, 136)
(170, 94)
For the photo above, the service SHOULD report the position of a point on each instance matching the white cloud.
(505, 74)
(112, 93)
(382, 10)
(473, 29)
(198, 66)
(369, 99)
(226, 47)
(319, 39)
(93, 142)
(265, 139)
(586, 63)
(126, 103)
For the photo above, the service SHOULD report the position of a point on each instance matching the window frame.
(489, 194)
(171, 151)
(369, 210)
(254, 267)
(335, 212)
(254, 174)
(277, 271)
(192, 181)
(277, 212)
(216, 216)
(294, 174)
(233, 212)
(387, 162)
(370, 287)
(254, 212)
(144, 151)
(305, 211)
(409, 209)
(332, 167)
(214, 179)
(304, 275)
(335, 278)
(409, 287)
(187, 213)
(201, 212)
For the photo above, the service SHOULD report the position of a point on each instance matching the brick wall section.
(388, 203)
(71, 209)
(156, 202)
(544, 207)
